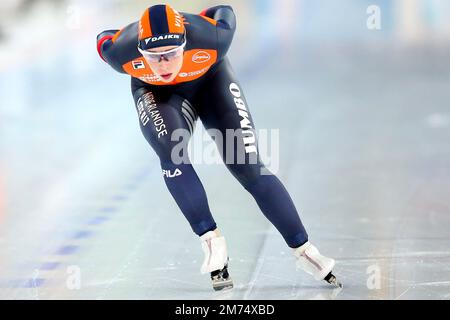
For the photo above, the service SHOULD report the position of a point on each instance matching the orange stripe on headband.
(174, 20)
(145, 29)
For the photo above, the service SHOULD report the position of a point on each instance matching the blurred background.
(359, 91)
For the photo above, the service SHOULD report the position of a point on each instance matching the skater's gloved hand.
(224, 15)
(104, 40)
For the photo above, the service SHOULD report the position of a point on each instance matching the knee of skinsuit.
(248, 174)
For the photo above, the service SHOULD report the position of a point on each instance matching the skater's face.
(166, 66)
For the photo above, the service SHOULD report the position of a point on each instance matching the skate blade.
(331, 279)
(223, 285)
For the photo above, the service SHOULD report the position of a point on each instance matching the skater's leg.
(222, 107)
(159, 116)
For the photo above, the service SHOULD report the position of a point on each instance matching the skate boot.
(216, 260)
(221, 279)
(311, 261)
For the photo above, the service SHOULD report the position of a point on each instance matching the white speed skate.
(216, 260)
(311, 261)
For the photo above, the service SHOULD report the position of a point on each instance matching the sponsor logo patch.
(170, 174)
(165, 37)
(138, 64)
(193, 73)
(201, 57)
(149, 78)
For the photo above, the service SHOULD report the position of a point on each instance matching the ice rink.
(364, 151)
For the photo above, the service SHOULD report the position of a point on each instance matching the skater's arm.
(223, 15)
(104, 43)
(106, 47)
(226, 26)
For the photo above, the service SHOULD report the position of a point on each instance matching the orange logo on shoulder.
(201, 57)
